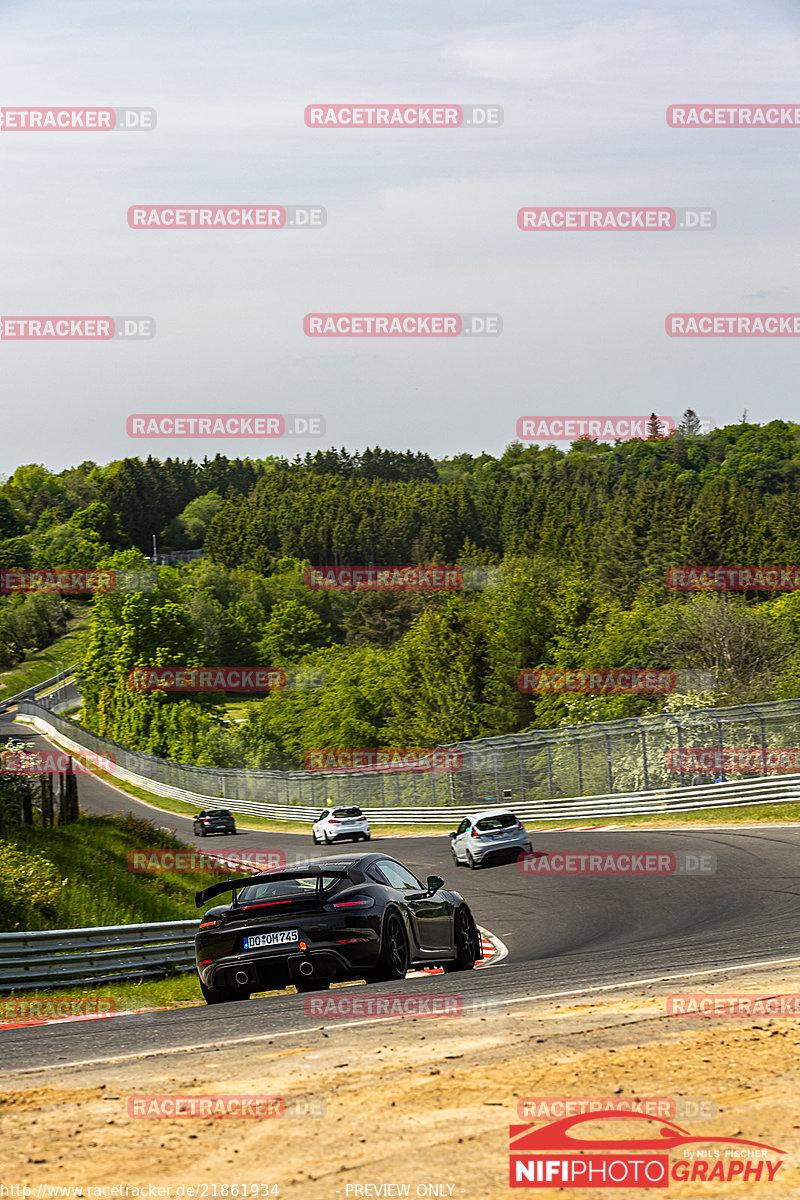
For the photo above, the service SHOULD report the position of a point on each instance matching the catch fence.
(560, 766)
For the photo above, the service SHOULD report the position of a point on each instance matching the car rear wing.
(354, 874)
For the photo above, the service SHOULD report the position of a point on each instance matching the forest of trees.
(624, 513)
(582, 539)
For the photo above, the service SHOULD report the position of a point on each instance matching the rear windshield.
(217, 812)
(498, 821)
(347, 812)
(284, 889)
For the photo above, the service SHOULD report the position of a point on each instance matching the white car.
(490, 832)
(337, 824)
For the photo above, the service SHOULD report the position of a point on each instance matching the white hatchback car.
(337, 824)
(490, 832)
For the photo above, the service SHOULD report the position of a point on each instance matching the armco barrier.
(65, 957)
(37, 688)
(630, 755)
(74, 737)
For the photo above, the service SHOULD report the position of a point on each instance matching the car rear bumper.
(278, 968)
(512, 846)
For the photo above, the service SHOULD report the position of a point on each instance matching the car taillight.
(356, 902)
(332, 822)
(473, 831)
(209, 924)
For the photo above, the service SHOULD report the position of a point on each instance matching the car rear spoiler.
(354, 874)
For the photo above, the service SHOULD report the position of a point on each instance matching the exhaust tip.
(306, 968)
(242, 978)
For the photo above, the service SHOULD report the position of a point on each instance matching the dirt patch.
(420, 1103)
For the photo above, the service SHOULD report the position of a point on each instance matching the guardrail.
(34, 691)
(785, 788)
(65, 957)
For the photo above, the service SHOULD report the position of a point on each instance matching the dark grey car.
(213, 820)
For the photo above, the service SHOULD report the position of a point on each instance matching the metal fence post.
(607, 736)
(577, 739)
(549, 764)
(760, 716)
(640, 727)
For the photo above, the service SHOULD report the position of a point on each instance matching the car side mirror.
(434, 883)
(452, 835)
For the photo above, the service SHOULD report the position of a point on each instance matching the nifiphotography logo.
(557, 1155)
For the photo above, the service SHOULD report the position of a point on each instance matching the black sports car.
(362, 916)
(213, 820)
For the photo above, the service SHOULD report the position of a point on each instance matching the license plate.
(281, 937)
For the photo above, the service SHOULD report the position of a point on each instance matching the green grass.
(39, 665)
(178, 991)
(91, 857)
(98, 888)
(747, 814)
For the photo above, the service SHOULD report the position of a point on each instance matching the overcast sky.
(417, 220)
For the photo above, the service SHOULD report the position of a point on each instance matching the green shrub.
(29, 883)
(148, 833)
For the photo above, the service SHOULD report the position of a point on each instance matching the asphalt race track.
(563, 933)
